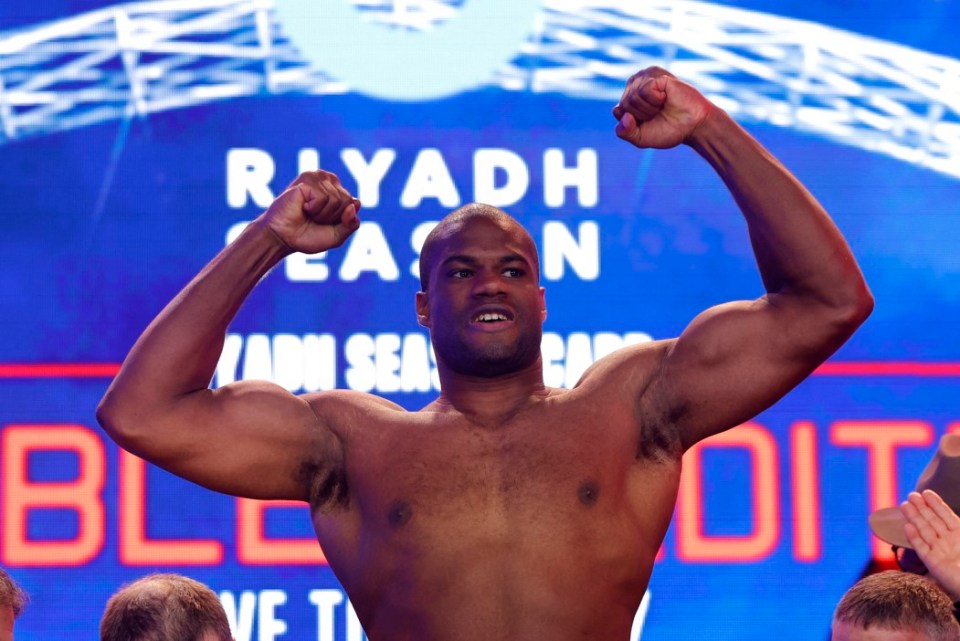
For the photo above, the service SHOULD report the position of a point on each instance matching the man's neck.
(490, 402)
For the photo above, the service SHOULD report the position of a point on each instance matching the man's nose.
(488, 283)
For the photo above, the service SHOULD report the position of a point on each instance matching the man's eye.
(512, 272)
(460, 273)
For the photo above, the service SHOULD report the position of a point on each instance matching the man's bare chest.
(530, 489)
(547, 462)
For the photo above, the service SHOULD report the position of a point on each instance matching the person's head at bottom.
(12, 600)
(164, 607)
(895, 606)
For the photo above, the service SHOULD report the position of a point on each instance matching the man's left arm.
(737, 359)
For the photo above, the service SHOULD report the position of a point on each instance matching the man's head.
(895, 606)
(164, 607)
(480, 293)
(12, 601)
(454, 221)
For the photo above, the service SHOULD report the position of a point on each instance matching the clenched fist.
(658, 110)
(315, 213)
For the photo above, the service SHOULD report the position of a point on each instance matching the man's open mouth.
(490, 317)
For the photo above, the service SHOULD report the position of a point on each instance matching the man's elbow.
(117, 419)
(855, 308)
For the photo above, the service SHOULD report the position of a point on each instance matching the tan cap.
(942, 475)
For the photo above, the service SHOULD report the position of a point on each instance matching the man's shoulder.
(636, 362)
(345, 400)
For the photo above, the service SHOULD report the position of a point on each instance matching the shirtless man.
(504, 510)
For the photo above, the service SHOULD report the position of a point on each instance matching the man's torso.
(544, 526)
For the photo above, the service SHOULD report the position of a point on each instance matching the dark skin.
(504, 509)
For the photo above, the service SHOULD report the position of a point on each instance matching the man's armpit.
(659, 439)
(658, 419)
(326, 483)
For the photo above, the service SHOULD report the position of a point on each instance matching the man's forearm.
(798, 248)
(178, 352)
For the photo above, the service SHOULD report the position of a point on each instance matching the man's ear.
(423, 309)
(543, 305)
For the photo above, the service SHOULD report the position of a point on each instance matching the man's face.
(484, 306)
(844, 631)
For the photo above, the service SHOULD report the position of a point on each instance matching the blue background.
(101, 225)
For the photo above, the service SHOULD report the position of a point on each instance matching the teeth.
(489, 318)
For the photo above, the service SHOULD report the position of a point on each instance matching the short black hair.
(446, 227)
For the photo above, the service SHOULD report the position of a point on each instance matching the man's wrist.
(261, 230)
(713, 125)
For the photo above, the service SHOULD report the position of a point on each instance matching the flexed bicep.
(248, 438)
(252, 439)
(735, 360)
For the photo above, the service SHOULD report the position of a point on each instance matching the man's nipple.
(400, 512)
(588, 492)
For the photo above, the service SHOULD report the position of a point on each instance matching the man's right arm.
(249, 438)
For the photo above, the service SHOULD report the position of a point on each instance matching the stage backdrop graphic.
(137, 139)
